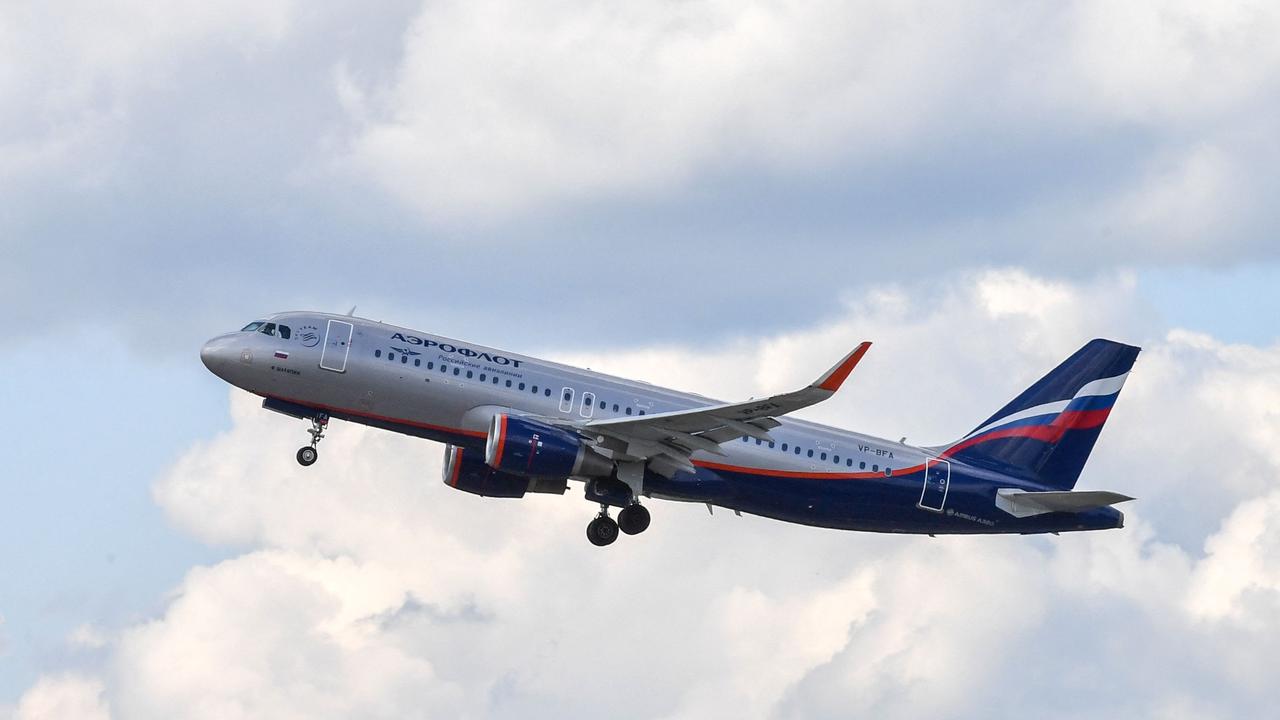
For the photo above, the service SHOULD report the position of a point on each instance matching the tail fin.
(1046, 434)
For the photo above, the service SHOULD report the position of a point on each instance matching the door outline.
(566, 400)
(588, 405)
(336, 343)
(945, 470)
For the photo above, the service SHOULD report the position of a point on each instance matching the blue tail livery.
(515, 424)
(1046, 434)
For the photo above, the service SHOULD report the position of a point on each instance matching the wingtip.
(836, 376)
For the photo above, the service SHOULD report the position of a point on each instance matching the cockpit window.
(284, 331)
(268, 329)
(252, 326)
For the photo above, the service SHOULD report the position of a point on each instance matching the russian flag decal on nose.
(282, 355)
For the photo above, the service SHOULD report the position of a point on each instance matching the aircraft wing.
(668, 439)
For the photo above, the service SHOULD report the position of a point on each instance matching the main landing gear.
(307, 454)
(603, 530)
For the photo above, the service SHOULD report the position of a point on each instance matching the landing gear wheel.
(634, 519)
(602, 531)
(307, 455)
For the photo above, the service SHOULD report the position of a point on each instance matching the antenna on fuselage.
(352, 311)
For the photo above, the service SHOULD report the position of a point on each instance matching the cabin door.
(937, 478)
(337, 345)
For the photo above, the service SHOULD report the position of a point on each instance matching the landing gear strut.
(603, 530)
(307, 454)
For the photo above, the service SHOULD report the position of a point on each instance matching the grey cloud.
(223, 177)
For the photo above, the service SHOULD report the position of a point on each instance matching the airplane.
(514, 424)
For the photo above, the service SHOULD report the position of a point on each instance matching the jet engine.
(527, 447)
(467, 472)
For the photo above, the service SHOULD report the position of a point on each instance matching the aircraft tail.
(1046, 434)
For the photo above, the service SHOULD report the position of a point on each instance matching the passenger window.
(588, 404)
(862, 465)
(482, 377)
(457, 371)
(835, 459)
(615, 407)
(848, 462)
(770, 443)
(824, 456)
(602, 403)
(377, 353)
(797, 449)
(784, 447)
(444, 368)
(468, 374)
(641, 412)
(431, 365)
(759, 441)
(391, 356)
(875, 468)
(417, 362)
(628, 410)
(535, 389)
(568, 394)
(495, 380)
(522, 386)
(404, 359)
(888, 472)
(285, 332)
(810, 453)
(508, 383)
(546, 391)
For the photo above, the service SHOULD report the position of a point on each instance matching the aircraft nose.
(214, 355)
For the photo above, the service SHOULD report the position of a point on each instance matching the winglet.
(835, 377)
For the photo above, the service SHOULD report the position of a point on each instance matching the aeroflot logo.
(463, 351)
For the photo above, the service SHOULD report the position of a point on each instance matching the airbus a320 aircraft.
(515, 424)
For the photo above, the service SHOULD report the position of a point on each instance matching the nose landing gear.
(308, 454)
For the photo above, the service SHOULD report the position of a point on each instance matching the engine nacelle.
(465, 471)
(526, 447)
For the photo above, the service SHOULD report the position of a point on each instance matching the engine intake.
(527, 447)
(467, 472)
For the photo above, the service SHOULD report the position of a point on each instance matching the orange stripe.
(800, 474)
(502, 441)
(457, 466)
(838, 377)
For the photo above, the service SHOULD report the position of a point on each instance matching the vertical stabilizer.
(1046, 433)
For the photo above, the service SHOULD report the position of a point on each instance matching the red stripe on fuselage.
(800, 474)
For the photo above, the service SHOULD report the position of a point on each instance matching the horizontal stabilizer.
(1021, 503)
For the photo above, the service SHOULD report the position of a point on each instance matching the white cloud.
(62, 697)
(370, 588)
(501, 108)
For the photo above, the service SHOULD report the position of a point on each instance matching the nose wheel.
(308, 454)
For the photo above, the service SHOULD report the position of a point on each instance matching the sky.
(722, 197)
